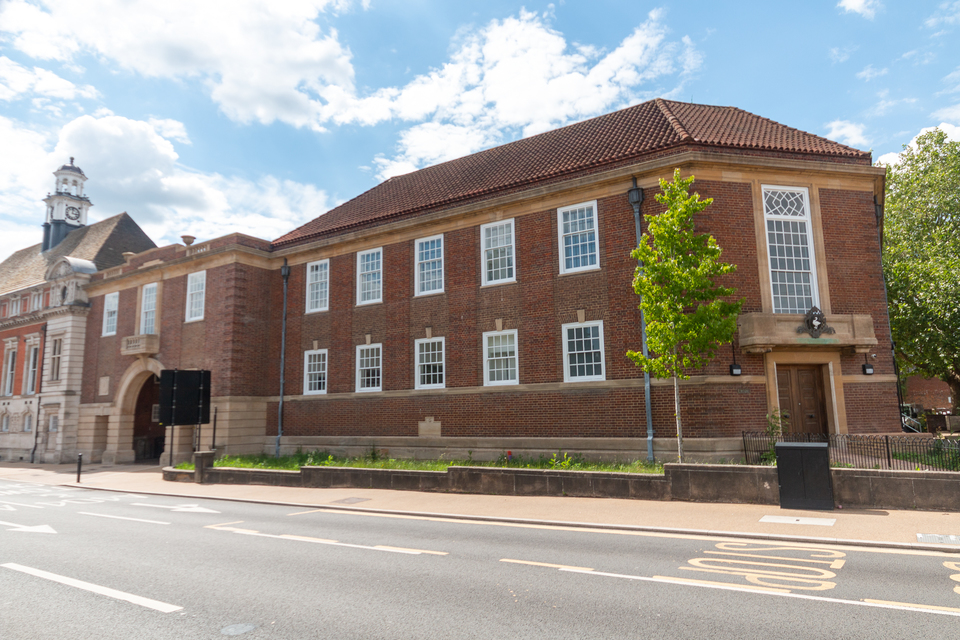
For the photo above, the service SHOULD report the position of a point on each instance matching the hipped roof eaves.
(726, 124)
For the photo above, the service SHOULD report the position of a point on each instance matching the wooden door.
(800, 388)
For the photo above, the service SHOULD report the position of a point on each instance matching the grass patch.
(375, 460)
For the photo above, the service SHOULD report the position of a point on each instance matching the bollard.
(79, 466)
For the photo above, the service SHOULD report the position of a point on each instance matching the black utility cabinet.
(803, 471)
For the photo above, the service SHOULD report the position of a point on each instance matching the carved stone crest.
(815, 323)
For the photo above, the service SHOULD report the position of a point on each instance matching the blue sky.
(208, 117)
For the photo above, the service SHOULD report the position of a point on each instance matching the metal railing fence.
(863, 451)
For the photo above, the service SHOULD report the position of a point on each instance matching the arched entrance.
(120, 433)
(147, 432)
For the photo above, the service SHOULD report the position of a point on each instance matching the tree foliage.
(921, 257)
(687, 319)
(682, 304)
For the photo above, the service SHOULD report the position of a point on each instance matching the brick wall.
(872, 408)
(931, 393)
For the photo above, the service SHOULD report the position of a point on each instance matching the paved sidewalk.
(881, 527)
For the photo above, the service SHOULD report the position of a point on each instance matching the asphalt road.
(78, 564)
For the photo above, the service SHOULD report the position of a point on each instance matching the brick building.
(43, 317)
(485, 304)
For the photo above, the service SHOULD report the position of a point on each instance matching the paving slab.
(880, 527)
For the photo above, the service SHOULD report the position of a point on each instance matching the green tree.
(687, 319)
(921, 258)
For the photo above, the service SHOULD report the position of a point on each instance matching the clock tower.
(66, 206)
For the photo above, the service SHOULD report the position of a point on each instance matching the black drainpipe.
(285, 273)
(36, 423)
(878, 211)
(635, 196)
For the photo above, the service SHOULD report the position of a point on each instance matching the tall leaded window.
(318, 286)
(196, 295)
(110, 303)
(500, 358)
(793, 275)
(498, 252)
(10, 372)
(148, 309)
(578, 237)
(583, 352)
(33, 360)
(369, 276)
(430, 265)
(369, 371)
(56, 351)
(430, 363)
(315, 372)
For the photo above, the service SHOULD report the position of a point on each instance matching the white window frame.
(566, 352)
(596, 236)
(321, 284)
(486, 360)
(31, 365)
(360, 347)
(27, 423)
(484, 249)
(808, 219)
(111, 309)
(144, 310)
(9, 371)
(418, 264)
(53, 423)
(14, 306)
(5, 423)
(36, 301)
(193, 296)
(379, 272)
(307, 391)
(417, 384)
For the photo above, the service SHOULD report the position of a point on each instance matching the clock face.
(73, 213)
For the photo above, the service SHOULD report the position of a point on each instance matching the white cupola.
(67, 206)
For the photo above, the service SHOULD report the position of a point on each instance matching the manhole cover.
(350, 501)
(935, 538)
(237, 629)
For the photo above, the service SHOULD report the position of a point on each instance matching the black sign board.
(184, 397)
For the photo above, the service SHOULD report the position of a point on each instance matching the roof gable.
(101, 243)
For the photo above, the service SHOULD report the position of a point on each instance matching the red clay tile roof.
(631, 133)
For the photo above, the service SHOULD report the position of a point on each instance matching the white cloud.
(171, 129)
(518, 77)
(260, 60)
(869, 73)
(952, 131)
(132, 167)
(952, 79)
(866, 8)
(838, 54)
(847, 132)
(948, 113)
(885, 104)
(947, 13)
(17, 81)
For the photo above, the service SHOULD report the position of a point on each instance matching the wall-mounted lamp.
(735, 369)
(867, 367)
(635, 197)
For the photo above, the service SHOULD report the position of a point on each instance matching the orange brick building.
(485, 304)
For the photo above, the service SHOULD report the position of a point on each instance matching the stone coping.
(866, 488)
